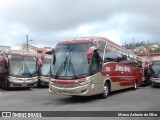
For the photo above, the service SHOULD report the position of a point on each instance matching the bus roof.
(148, 54)
(155, 58)
(46, 57)
(19, 52)
(149, 57)
(91, 39)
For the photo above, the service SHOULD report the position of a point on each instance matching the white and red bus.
(18, 69)
(155, 69)
(45, 70)
(93, 65)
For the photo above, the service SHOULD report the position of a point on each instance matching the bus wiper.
(82, 75)
(70, 64)
(157, 74)
(48, 74)
(20, 70)
(63, 66)
(26, 70)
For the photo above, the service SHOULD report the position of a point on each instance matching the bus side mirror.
(1, 60)
(39, 63)
(43, 55)
(90, 52)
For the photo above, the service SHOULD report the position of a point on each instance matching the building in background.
(29, 47)
(36, 50)
(143, 47)
(4, 47)
(48, 50)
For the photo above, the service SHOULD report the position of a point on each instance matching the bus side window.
(111, 56)
(124, 57)
(139, 64)
(1, 68)
(132, 64)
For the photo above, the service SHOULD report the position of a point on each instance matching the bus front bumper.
(44, 81)
(155, 81)
(23, 82)
(84, 90)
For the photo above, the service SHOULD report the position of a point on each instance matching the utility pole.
(27, 41)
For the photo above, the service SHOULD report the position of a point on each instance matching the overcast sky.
(48, 21)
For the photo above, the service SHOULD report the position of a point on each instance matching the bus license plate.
(24, 84)
(65, 93)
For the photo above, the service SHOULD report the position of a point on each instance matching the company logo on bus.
(122, 68)
(108, 69)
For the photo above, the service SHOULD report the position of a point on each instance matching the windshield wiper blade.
(157, 74)
(82, 75)
(20, 70)
(48, 74)
(27, 70)
(71, 64)
(61, 68)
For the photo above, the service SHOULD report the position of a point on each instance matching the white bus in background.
(18, 69)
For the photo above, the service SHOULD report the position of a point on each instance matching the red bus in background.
(93, 65)
(18, 69)
(45, 70)
(146, 70)
(151, 66)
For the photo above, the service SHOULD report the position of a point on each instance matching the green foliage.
(156, 51)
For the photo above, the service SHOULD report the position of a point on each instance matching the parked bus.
(155, 71)
(18, 69)
(91, 66)
(45, 71)
(150, 68)
(2, 67)
(146, 70)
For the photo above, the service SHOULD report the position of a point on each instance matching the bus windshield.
(22, 66)
(70, 61)
(45, 69)
(155, 69)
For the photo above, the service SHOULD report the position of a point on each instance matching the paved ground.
(39, 99)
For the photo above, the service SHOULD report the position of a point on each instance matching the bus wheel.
(135, 85)
(3, 84)
(105, 91)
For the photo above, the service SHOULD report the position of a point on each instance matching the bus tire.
(152, 84)
(0, 83)
(106, 90)
(135, 85)
(4, 84)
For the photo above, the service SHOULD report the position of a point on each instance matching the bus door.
(96, 65)
(139, 72)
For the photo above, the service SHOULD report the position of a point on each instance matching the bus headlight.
(52, 82)
(85, 83)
